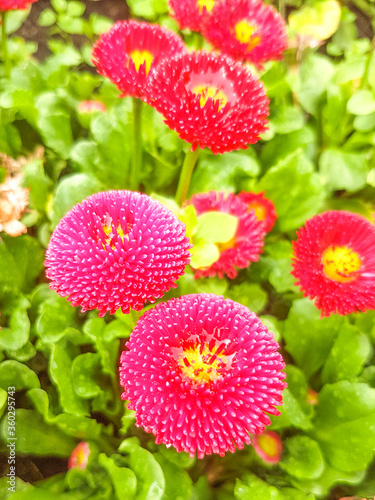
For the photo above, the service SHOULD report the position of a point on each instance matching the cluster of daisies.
(201, 372)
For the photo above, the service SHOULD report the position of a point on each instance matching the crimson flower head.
(268, 446)
(210, 101)
(263, 208)
(201, 372)
(6, 5)
(247, 242)
(247, 30)
(116, 249)
(190, 14)
(131, 50)
(334, 262)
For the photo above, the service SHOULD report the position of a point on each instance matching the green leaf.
(149, 9)
(15, 19)
(223, 172)
(43, 440)
(341, 170)
(60, 369)
(294, 188)
(309, 339)
(361, 102)
(75, 8)
(55, 315)
(216, 227)
(316, 72)
(39, 184)
(47, 17)
(150, 477)
(287, 119)
(344, 425)
(84, 368)
(123, 479)
(292, 414)
(351, 350)
(203, 254)
(252, 487)
(178, 484)
(10, 140)
(17, 335)
(302, 458)
(250, 295)
(18, 375)
(70, 191)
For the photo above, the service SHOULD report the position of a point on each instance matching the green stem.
(137, 144)
(368, 64)
(185, 175)
(4, 45)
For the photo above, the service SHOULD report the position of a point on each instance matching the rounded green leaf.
(361, 103)
(13, 373)
(302, 458)
(203, 254)
(216, 227)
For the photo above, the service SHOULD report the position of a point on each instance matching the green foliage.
(61, 365)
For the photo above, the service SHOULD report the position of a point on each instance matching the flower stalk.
(4, 45)
(185, 175)
(136, 144)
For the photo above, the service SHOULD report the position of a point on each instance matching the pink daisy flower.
(6, 5)
(80, 456)
(116, 249)
(210, 101)
(263, 208)
(201, 372)
(252, 31)
(130, 52)
(268, 446)
(247, 243)
(334, 262)
(190, 14)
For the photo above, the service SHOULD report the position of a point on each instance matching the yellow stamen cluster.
(260, 211)
(341, 264)
(245, 33)
(202, 365)
(142, 56)
(207, 91)
(209, 4)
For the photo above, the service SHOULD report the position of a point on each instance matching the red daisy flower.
(268, 446)
(263, 208)
(80, 456)
(252, 31)
(6, 5)
(116, 249)
(200, 373)
(130, 51)
(247, 243)
(190, 14)
(210, 101)
(334, 262)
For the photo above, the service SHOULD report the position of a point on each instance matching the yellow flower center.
(207, 91)
(202, 364)
(268, 444)
(260, 211)
(228, 244)
(110, 232)
(142, 56)
(209, 4)
(245, 33)
(341, 264)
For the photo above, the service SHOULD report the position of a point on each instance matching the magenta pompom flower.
(210, 101)
(334, 262)
(263, 208)
(116, 249)
(131, 50)
(201, 372)
(6, 5)
(247, 30)
(247, 243)
(190, 14)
